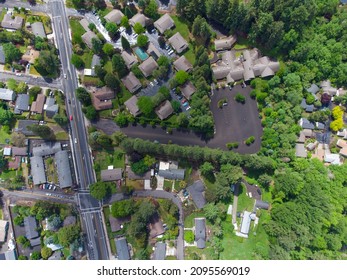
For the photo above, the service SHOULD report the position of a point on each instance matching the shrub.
(188, 236)
(232, 145)
(250, 140)
(221, 102)
(240, 98)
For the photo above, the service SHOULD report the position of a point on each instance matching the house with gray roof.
(188, 89)
(129, 59)
(2, 56)
(182, 63)
(114, 16)
(196, 192)
(12, 23)
(260, 204)
(164, 23)
(38, 104)
(148, 66)
(306, 124)
(138, 18)
(328, 88)
(153, 51)
(7, 94)
(132, 176)
(88, 38)
(313, 89)
(38, 29)
(122, 249)
(131, 82)
(160, 251)
(246, 222)
(225, 43)
(30, 226)
(306, 107)
(96, 60)
(164, 110)
(200, 232)
(63, 167)
(110, 175)
(22, 104)
(38, 170)
(50, 107)
(178, 43)
(172, 174)
(8, 256)
(300, 150)
(132, 107)
(46, 149)
(23, 127)
(3, 230)
(85, 24)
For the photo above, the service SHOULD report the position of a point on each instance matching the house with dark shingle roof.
(187, 90)
(200, 232)
(306, 107)
(88, 38)
(114, 16)
(38, 170)
(38, 29)
(148, 66)
(31, 233)
(38, 104)
(160, 251)
(172, 174)
(164, 110)
(122, 248)
(132, 107)
(129, 59)
(12, 23)
(62, 163)
(178, 43)
(109, 175)
(306, 124)
(182, 63)
(22, 104)
(196, 192)
(131, 82)
(164, 23)
(138, 18)
(225, 43)
(50, 107)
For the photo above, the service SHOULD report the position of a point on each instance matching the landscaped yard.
(189, 220)
(87, 57)
(181, 27)
(111, 235)
(61, 135)
(9, 174)
(77, 30)
(244, 201)
(3, 136)
(104, 159)
(51, 171)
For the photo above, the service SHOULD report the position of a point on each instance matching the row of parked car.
(48, 186)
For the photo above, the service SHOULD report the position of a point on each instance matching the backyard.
(51, 171)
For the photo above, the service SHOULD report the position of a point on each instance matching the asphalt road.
(92, 223)
(30, 80)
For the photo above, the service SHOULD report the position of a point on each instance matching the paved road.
(92, 224)
(18, 3)
(31, 80)
(164, 195)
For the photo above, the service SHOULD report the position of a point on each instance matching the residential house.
(56, 256)
(200, 232)
(164, 23)
(2, 56)
(153, 51)
(188, 89)
(182, 63)
(3, 230)
(160, 251)
(138, 18)
(37, 106)
(122, 249)
(132, 176)
(306, 107)
(37, 170)
(50, 107)
(91, 71)
(30, 55)
(88, 38)
(62, 163)
(178, 43)
(172, 174)
(260, 204)
(9, 256)
(129, 58)
(300, 150)
(319, 126)
(31, 233)
(114, 16)
(10, 23)
(148, 66)
(85, 24)
(38, 29)
(22, 104)
(306, 124)
(164, 110)
(156, 227)
(132, 107)
(46, 149)
(19, 151)
(246, 222)
(332, 158)
(110, 175)
(23, 127)
(196, 192)
(7, 94)
(343, 145)
(102, 98)
(131, 82)
(225, 43)
(328, 88)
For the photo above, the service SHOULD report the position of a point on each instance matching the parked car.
(75, 141)
(183, 100)
(185, 104)
(71, 118)
(170, 52)
(188, 108)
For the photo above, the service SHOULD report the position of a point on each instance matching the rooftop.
(129, 58)
(131, 82)
(178, 43)
(7, 94)
(38, 29)
(196, 191)
(63, 167)
(131, 105)
(12, 23)
(225, 43)
(182, 63)
(164, 23)
(160, 251)
(114, 16)
(140, 18)
(200, 232)
(122, 249)
(111, 174)
(148, 66)
(164, 110)
(22, 104)
(188, 89)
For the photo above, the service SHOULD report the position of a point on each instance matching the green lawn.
(61, 135)
(77, 31)
(190, 55)
(189, 220)
(3, 136)
(104, 159)
(33, 71)
(193, 253)
(181, 27)
(9, 174)
(168, 184)
(2, 14)
(87, 57)
(110, 234)
(244, 201)
(108, 66)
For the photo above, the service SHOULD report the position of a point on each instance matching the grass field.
(104, 159)
(244, 202)
(181, 27)
(33, 71)
(3, 136)
(110, 234)
(77, 31)
(61, 135)
(87, 57)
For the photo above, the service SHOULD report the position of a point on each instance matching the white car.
(65, 76)
(170, 52)
(75, 141)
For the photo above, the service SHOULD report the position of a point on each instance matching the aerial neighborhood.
(172, 130)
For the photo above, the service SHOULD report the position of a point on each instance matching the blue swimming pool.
(141, 54)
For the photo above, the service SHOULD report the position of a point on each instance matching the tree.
(46, 252)
(240, 98)
(125, 43)
(161, 42)
(100, 190)
(36, 255)
(128, 13)
(11, 53)
(60, 119)
(42, 131)
(6, 116)
(97, 45)
(265, 180)
(19, 220)
(188, 236)
(34, 91)
(112, 81)
(100, 72)
(201, 29)
(119, 66)
(207, 170)
(139, 167)
(112, 29)
(149, 161)
(124, 208)
(142, 40)
(68, 234)
(121, 119)
(22, 88)
(138, 28)
(181, 77)
(23, 241)
(18, 139)
(125, 22)
(77, 61)
(78, 4)
(151, 10)
(146, 105)
(47, 63)
(176, 106)
(91, 113)
(83, 96)
(108, 49)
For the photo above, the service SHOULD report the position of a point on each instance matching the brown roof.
(12, 23)
(164, 23)
(101, 105)
(114, 16)
(14, 163)
(37, 106)
(31, 55)
(183, 64)
(116, 223)
(19, 151)
(101, 98)
(225, 43)
(88, 37)
(131, 105)
(131, 82)
(103, 93)
(129, 59)
(178, 42)
(140, 18)
(164, 110)
(132, 176)
(153, 51)
(188, 89)
(111, 174)
(148, 66)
